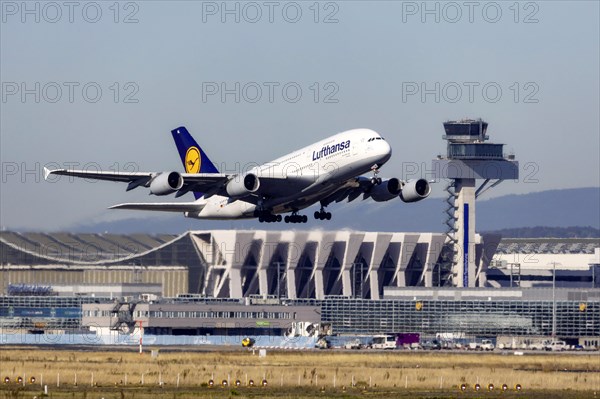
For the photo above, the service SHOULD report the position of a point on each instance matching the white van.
(384, 342)
(557, 346)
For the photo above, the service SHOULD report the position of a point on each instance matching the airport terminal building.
(264, 282)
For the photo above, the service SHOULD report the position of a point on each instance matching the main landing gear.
(295, 218)
(322, 215)
(269, 218)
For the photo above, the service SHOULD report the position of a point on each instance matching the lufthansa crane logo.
(192, 160)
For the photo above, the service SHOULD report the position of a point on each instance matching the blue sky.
(354, 67)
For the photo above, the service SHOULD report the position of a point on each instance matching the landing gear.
(375, 180)
(268, 217)
(322, 215)
(295, 218)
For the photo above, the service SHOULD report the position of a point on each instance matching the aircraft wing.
(207, 183)
(162, 206)
(204, 182)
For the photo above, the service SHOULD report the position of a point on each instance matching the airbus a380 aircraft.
(324, 172)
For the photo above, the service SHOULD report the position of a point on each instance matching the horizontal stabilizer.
(162, 206)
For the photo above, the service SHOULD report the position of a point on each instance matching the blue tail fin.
(193, 158)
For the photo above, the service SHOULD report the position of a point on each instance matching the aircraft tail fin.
(193, 157)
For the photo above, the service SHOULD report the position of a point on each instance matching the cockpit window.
(375, 138)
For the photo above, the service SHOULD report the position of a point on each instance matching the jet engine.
(415, 190)
(242, 186)
(166, 183)
(387, 190)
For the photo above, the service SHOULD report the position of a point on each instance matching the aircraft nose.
(386, 149)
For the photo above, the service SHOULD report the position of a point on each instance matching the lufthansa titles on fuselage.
(330, 149)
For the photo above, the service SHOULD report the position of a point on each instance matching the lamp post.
(554, 298)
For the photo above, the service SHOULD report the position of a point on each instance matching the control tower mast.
(469, 157)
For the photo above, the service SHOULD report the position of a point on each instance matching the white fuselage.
(307, 175)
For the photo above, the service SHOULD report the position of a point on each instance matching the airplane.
(325, 172)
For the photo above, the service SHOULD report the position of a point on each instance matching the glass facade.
(470, 317)
(577, 317)
(43, 312)
(475, 150)
(465, 128)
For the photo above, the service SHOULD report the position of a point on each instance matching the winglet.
(47, 173)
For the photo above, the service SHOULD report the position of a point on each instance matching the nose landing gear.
(375, 180)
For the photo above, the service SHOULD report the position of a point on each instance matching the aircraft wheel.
(328, 216)
(261, 219)
(286, 219)
(304, 219)
(278, 218)
(317, 215)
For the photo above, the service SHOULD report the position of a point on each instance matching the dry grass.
(394, 370)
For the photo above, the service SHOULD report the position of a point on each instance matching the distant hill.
(557, 208)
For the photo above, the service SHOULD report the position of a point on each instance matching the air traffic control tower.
(469, 158)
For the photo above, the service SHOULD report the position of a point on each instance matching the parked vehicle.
(384, 342)
(407, 339)
(557, 346)
(354, 344)
(432, 345)
(538, 346)
(487, 345)
(323, 344)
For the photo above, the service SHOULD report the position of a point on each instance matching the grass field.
(184, 374)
